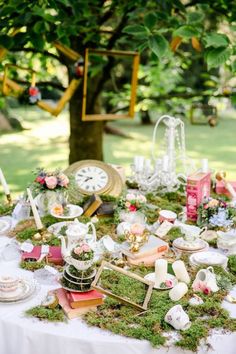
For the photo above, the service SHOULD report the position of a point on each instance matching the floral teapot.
(77, 232)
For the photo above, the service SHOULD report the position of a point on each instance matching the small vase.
(47, 199)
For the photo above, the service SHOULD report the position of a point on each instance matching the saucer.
(151, 277)
(73, 212)
(184, 245)
(208, 258)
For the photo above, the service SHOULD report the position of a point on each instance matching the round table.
(24, 335)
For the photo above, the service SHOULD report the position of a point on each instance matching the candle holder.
(42, 235)
(164, 175)
(136, 241)
(9, 199)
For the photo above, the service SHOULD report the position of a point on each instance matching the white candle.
(37, 219)
(178, 291)
(205, 167)
(4, 183)
(160, 271)
(165, 163)
(158, 165)
(181, 271)
(147, 165)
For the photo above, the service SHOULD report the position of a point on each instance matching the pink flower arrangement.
(201, 287)
(51, 180)
(133, 202)
(83, 252)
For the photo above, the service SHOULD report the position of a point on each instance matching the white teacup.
(208, 277)
(8, 283)
(191, 232)
(178, 318)
(167, 215)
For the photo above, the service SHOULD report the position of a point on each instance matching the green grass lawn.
(45, 144)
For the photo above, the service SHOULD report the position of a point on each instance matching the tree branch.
(35, 51)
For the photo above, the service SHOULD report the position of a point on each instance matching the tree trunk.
(145, 118)
(86, 138)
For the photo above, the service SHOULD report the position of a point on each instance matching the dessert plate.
(170, 277)
(55, 229)
(73, 211)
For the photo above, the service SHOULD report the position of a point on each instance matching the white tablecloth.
(22, 335)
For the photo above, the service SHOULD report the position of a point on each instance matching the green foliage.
(216, 40)
(46, 314)
(159, 45)
(186, 32)
(32, 266)
(6, 209)
(232, 264)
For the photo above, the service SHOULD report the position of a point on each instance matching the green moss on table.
(46, 314)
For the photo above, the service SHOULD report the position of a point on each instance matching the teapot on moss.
(75, 233)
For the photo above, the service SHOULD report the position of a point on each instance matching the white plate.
(74, 212)
(25, 289)
(188, 245)
(209, 258)
(56, 228)
(151, 277)
(179, 250)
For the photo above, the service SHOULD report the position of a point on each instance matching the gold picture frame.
(95, 285)
(134, 81)
(10, 85)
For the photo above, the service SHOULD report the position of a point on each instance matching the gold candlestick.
(9, 200)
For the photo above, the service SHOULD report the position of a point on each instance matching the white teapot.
(77, 232)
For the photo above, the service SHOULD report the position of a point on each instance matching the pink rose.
(63, 180)
(132, 208)
(40, 180)
(213, 203)
(85, 248)
(207, 291)
(198, 286)
(137, 229)
(78, 250)
(51, 182)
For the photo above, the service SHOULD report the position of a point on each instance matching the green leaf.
(37, 41)
(135, 29)
(150, 20)
(158, 45)
(233, 99)
(39, 27)
(142, 47)
(186, 32)
(195, 17)
(233, 66)
(217, 56)
(6, 41)
(216, 40)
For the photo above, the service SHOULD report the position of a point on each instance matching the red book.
(89, 298)
(54, 256)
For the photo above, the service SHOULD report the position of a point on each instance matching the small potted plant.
(81, 256)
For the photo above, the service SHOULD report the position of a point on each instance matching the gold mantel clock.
(96, 177)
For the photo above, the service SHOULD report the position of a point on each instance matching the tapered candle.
(160, 271)
(4, 183)
(165, 163)
(178, 291)
(205, 167)
(37, 219)
(181, 271)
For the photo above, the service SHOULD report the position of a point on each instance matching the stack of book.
(148, 253)
(76, 304)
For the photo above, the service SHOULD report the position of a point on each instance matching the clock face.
(91, 179)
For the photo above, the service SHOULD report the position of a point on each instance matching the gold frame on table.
(134, 80)
(114, 186)
(107, 265)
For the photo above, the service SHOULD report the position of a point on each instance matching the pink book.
(220, 188)
(64, 303)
